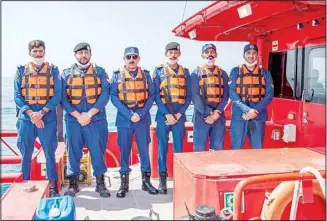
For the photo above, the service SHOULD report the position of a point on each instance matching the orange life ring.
(281, 196)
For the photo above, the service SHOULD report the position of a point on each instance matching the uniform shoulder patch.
(66, 72)
(154, 74)
(235, 69)
(229, 80)
(20, 67)
(112, 80)
(159, 66)
(116, 72)
(20, 70)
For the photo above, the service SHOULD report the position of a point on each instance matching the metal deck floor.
(136, 203)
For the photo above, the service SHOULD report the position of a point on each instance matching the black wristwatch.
(43, 112)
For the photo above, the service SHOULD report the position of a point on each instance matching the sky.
(109, 27)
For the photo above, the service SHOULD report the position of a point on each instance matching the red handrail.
(9, 177)
(10, 160)
(8, 134)
(14, 134)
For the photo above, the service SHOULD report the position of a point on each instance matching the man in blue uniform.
(37, 93)
(209, 96)
(173, 96)
(251, 90)
(132, 93)
(85, 95)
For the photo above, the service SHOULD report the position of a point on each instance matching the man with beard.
(173, 96)
(37, 93)
(132, 93)
(251, 90)
(86, 93)
(209, 96)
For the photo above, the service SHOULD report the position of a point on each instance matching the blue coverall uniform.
(202, 130)
(255, 128)
(27, 131)
(162, 129)
(126, 128)
(94, 135)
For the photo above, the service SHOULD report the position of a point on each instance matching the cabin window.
(316, 75)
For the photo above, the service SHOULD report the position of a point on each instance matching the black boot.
(53, 190)
(124, 185)
(146, 185)
(163, 183)
(101, 188)
(73, 186)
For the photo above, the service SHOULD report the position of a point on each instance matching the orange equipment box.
(153, 149)
(188, 144)
(210, 178)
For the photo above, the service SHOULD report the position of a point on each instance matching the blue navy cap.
(206, 46)
(82, 46)
(131, 50)
(250, 47)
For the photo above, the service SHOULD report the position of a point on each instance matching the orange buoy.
(281, 197)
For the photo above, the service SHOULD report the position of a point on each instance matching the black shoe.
(73, 186)
(124, 185)
(146, 185)
(53, 190)
(163, 183)
(101, 188)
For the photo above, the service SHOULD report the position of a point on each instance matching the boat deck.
(136, 203)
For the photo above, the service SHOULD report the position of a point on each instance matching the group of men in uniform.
(84, 90)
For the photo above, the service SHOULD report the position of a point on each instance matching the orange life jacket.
(212, 83)
(251, 86)
(133, 91)
(37, 87)
(173, 86)
(77, 82)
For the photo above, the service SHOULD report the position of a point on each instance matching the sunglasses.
(128, 57)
